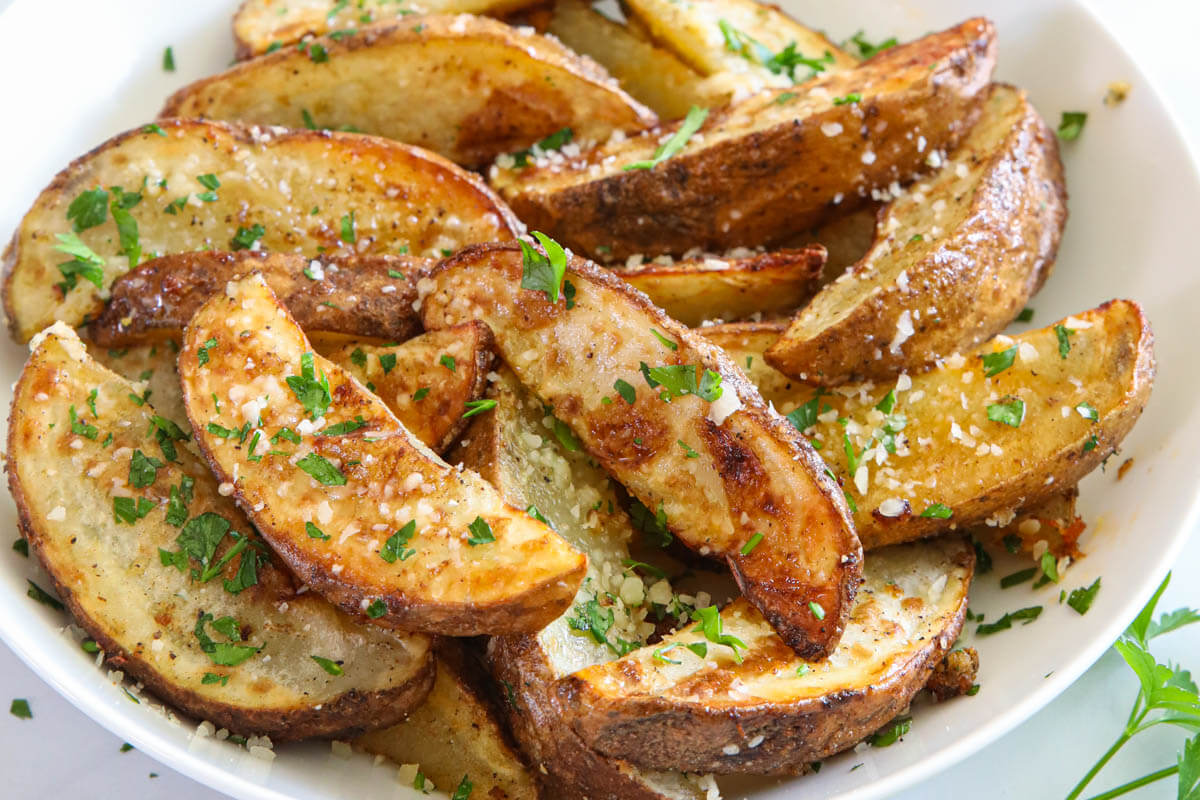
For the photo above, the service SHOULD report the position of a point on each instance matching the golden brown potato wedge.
(955, 258)
(113, 517)
(669, 707)
(428, 398)
(770, 166)
(409, 542)
(744, 43)
(263, 26)
(353, 295)
(710, 457)
(515, 448)
(649, 73)
(456, 732)
(699, 289)
(275, 190)
(1081, 384)
(483, 88)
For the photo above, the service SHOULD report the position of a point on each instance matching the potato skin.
(978, 275)
(752, 472)
(754, 179)
(159, 297)
(483, 88)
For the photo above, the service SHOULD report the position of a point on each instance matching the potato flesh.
(113, 576)
(484, 89)
(399, 196)
(749, 475)
(523, 578)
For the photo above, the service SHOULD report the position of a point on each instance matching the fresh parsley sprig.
(1167, 695)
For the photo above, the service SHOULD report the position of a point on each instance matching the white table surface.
(62, 753)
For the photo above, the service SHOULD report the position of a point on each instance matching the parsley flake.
(543, 273)
(322, 470)
(695, 118)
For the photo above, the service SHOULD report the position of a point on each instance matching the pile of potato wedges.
(561, 406)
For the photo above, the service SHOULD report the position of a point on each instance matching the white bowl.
(1134, 194)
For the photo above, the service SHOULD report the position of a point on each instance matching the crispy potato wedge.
(667, 706)
(770, 166)
(426, 396)
(351, 295)
(516, 450)
(429, 400)
(651, 74)
(694, 290)
(733, 39)
(433, 548)
(68, 467)
(483, 88)
(261, 26)
(371, 196)
(457, 732)
(723, 472)
(955, 257)
(949, 455)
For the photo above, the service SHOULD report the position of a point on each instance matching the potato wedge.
(723, 472)
(649, 73)
(955, 257)
(351, 295)
(950, 456)
(418, 545)
(770, 166)
(370, 196)
(457, 732)
(483, 88)
(667, 706)
(695, 290)
(429, 401)
(1051, 525)
(737, 40)
(428, 398)
(71, 468)
(262, 26)
(516, 450)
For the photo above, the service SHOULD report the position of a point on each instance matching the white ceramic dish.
(1134, 195)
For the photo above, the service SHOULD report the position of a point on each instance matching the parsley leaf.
(543, 273)
(246, 238)
(329, 665)
(342, 428)
(129, 511)
(42, 596)
(478, 407)
(866, 49)
(1011, 411)
(349, 234)
(222, 653)
(481, 532)
(88, 209)
(648, 522)
(710, 624)
(315, 533)
(1027, 615)
(1064, 342)
(626, 390)
(312, 393)
(1071, 125)
(1081, 599)
(143, 470)
(695, 118)
(938, 511)
(394, 548)
(319, 468)
(892, 733)
(555, 141)
(376, 609)
(995, 363)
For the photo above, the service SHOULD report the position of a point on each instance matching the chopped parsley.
(84, 263)
(782, 63)
(21, 546)
(246, 238)
(652, 523)
(817, 609)
(322, 470)
(420, 394)
(349, 234)
(695, 118)
(1010, 411)
(168, 60)
(995, 363)
(1081, 599)
(332, 667)
(555, 141)
(394, 549)
(129, 510)
(937, 511)
(1088, 411)
(312, 393)
(342, 428)
(358, 358)
(866, 49)
(181, 495)
(210, 678)
(1026, 615)
(688, 452)
(154, 127)
(315, 533)
(202, 355)
(853, 97)
(80, 427)
(678, 380)
(447, 361)
(626, 390)
(143, 470)
(464, 789)
(892, 733)
(1018, 577)
(699, 648)
(167, 433)
(42, 596)
(20, 709)
(481, 532)
(667, 343)
(387, 361)
(1071, 125)
(376, 609)
(751, 543)
(88, 209)
(1064, 341)
(478, 407)
(709, 619)
(223, 654)
(1026, 315)
(543, 273)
